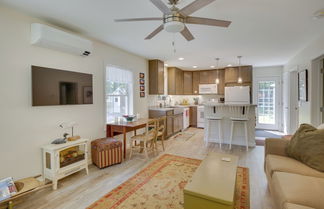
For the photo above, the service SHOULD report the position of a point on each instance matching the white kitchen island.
(216, 113)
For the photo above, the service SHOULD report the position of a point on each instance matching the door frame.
(278, 90)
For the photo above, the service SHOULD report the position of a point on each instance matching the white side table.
(61, 160)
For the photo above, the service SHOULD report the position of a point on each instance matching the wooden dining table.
(123, 127)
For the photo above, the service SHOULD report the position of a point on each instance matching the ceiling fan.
(174, 19)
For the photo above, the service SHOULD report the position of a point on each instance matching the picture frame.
(141, 81)
(303, 86)
(142, 94)
(142, 88)
(142, 75)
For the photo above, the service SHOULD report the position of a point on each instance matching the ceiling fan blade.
(161, 6)
(207, 21)
(156, 31)
(138, 19)
(194, 6)
(187, 34)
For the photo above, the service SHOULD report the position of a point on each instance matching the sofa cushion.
(307, 146)
(297, 189)
(290, 165)
(294, 206)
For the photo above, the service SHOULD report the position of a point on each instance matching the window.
(266, 102)
(119, 92)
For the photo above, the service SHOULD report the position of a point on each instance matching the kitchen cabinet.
(204, 77)
(157, 113)
(187, 83)
(232, 74)
(212, 76)
(175, 81)
(221, 85)
(156, 77)
(195, 82)
(193, 116)
(246, 74)
(177, 123)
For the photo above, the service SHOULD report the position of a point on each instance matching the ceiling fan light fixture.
(174, 26)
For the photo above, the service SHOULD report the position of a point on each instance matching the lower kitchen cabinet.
(169, 126)
(193, 116)
(177, 123)
(174, 123)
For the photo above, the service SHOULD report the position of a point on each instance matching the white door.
(290, 102)
(268, 101)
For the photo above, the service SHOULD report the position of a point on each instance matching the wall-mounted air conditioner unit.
(49, 37)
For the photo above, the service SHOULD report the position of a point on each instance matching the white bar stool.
(219, 119)
(241, 114)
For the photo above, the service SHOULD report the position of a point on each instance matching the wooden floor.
(80, 190)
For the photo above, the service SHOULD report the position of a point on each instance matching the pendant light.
(239, 79)
(217, 79)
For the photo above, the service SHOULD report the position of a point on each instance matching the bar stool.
(219, 120)
(241, 114)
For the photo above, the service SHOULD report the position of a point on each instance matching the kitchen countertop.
(224, 104)
(171, 108)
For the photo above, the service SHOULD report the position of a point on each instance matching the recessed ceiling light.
(166, 65)
(180, 58)
(229, 65)
(212, 66)
(195, 66)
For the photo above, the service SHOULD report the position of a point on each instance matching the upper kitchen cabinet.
(195, 82)
(175, 81)
(221, 85)
(246, 74)
(232, 74)
(204, 77)
(156, 77)
(187, 83)
(212, 75)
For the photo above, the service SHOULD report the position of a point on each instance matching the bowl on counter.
(129, 118)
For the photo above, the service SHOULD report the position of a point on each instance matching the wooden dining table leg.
(124, 133)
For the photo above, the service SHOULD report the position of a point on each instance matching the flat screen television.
(60, 87)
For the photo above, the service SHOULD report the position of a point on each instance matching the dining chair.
(161, 128)
(149, 136)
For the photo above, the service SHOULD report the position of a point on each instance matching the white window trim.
(130, 88)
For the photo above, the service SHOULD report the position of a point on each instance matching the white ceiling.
(264, 32)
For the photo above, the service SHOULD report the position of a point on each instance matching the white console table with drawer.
(61, 160)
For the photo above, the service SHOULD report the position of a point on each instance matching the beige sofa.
(293, 185)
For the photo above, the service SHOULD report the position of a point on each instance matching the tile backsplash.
(155, 100)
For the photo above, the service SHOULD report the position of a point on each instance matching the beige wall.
(309, 111)
(23, 128)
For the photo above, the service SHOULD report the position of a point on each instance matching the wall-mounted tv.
(60, 87)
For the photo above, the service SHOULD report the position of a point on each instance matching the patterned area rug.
(160, 186)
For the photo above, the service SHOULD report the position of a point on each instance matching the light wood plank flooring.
(80, 190)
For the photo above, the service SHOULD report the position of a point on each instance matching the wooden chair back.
(151, 129)
(161, 123)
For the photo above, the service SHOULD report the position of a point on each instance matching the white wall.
(23, 128)
(266, 72)
(309, 111)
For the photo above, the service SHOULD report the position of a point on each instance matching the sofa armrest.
(275, 147)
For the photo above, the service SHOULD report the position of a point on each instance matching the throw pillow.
(307, 146)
